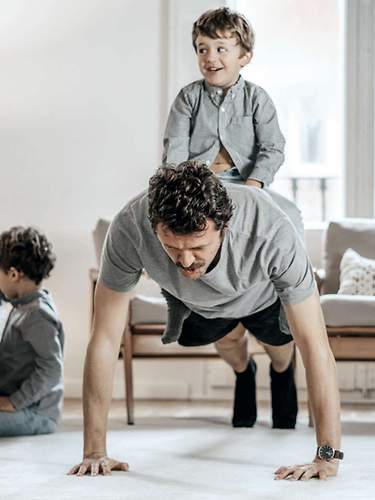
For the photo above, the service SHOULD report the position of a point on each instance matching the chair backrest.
(99, 235)
(358, 234)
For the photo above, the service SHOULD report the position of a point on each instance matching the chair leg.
(128, 372)
(311, 420)
(295, 364)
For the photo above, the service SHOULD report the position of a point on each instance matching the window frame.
(359, 176)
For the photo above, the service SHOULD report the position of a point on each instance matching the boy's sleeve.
(43, 336)
(288, 265)
(270, 142)
(177, 132)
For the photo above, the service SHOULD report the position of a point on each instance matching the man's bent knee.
(233, 348)
(281, 356)
(237, 335)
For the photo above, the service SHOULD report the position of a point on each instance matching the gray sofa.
(346, 310)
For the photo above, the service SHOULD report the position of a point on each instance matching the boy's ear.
(14, 274)
(246, 58)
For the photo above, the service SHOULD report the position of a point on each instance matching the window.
(299, 60)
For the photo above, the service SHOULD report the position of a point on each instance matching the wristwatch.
(326, 452)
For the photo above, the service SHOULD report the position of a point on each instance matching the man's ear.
(245, 58)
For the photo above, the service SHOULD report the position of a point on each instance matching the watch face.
(326, 452)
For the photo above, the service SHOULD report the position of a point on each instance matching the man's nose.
(186, 259)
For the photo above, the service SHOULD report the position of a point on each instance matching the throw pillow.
(357, 274)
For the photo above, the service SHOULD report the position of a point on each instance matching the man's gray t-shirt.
(261, 258)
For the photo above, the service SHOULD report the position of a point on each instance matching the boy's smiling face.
(221, 59)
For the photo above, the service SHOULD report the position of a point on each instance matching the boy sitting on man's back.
(231, 125)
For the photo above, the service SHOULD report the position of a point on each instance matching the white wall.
(80, 101)
(182, 66)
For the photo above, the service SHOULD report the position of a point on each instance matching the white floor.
(193, 455)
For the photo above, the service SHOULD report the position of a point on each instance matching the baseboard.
(183, 392)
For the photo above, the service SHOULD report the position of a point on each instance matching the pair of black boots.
(283, 396)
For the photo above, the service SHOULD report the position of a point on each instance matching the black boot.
(245, 405)
(284, 398)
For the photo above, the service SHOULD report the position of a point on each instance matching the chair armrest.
(320, 276)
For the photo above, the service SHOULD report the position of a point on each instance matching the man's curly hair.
(28, 251)
(184, 196)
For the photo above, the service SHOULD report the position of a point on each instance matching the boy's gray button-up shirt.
(244, 121)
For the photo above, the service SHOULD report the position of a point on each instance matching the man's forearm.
(98, 380)
(307, 324)
(324, 398)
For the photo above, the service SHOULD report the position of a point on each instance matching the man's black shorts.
(264, 325)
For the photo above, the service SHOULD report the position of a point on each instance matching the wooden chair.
(142, 340)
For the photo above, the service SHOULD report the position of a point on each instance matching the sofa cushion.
(145, 309)
(358, 234)
(357, 274)
(348, 310)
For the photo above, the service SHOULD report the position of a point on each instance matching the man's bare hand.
(97, 466)
(319, 469)
(6, 404)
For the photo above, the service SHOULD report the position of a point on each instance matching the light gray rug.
(183, 459)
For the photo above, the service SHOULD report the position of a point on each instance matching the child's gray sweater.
(31, 355)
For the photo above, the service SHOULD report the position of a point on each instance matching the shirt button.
(219, 91)
(222, 109)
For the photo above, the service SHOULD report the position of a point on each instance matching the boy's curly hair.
(183, 197)
(28, 251)
(214, 23)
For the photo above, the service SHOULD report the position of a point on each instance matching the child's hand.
(253, 182)
(6, 405)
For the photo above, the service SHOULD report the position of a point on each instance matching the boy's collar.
(219, 92)
(25, 299)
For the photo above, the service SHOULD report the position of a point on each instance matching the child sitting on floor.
(31, 337)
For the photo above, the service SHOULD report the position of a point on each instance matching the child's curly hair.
(28, 251)
(214, 23)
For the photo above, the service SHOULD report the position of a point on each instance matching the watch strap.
(336, 453)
